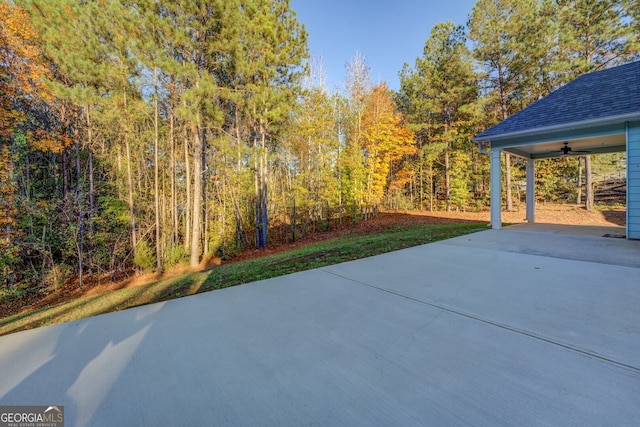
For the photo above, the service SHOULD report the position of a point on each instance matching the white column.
(531, 191)
(496, 190)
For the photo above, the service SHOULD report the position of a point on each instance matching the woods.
(140, 135)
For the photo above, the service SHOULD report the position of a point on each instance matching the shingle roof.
(614, 92)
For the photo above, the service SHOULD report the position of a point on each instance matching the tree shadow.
(616, 217)
(74, 364)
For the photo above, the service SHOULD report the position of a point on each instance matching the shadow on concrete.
(72, 364)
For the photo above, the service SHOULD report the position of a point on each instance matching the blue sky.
(387, 33)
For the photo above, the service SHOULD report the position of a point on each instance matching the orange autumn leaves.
(386, 142)
(22, 69)
(21, 62)
(22, 75)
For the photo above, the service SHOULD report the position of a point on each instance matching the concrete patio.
(500, 327)
(571, 230)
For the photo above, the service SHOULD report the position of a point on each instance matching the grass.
(316, 255)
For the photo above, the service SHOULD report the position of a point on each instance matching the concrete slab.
(454, 333)
(571, 230)
(588, 306)
(539, 241)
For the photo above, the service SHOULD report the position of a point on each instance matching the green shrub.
(176, 256)
(145, 258)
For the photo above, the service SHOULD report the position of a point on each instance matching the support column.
(496, 190)
(531, 191)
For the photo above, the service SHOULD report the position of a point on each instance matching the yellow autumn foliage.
(385, 139)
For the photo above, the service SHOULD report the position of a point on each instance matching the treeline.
(150, 133)
(521, 51)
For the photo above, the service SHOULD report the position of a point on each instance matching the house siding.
(633, 180)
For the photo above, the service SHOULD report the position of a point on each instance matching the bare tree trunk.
(432, 189)
(120, 174)
(132, 217)
(507, 178)
(174, 195)
(91, 193)
(205, 207)
(223, 217)
(256, 187)
(187, 209)
(91, 212)
(196, 230)
(588, 199)
(421, 178)
(261, 202)
(240, 232)
(156, 181)
(81, 224)
(261, 192)
(579, 198)
(65, 174)
(447, 179)
(507, 156)
(294, 221)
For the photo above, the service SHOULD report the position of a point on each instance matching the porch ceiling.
(551, 147)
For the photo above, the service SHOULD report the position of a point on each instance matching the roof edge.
(562, 127)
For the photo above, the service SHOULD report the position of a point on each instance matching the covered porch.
(594, 114)
(576, 142)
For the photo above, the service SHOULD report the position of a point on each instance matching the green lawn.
(316, 255)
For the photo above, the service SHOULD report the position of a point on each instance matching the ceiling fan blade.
(566, 150)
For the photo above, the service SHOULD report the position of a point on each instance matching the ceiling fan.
(566, 150)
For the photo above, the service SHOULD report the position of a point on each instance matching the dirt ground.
(551, 214)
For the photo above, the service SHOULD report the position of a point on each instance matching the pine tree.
(412, 101)
(267, 61)
(593, 35)
(444, 87)
(500, 32)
